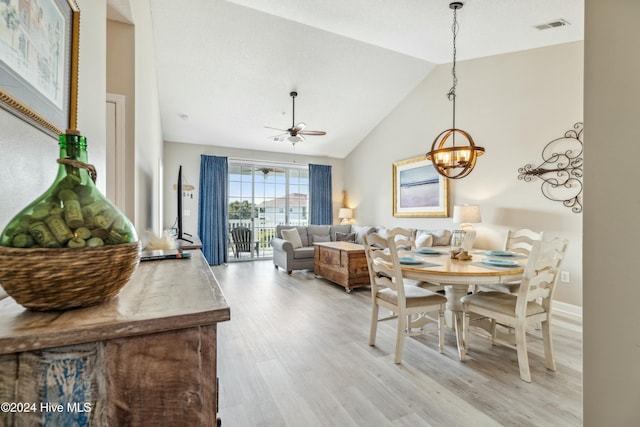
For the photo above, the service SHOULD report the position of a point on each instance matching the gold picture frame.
(419, 190)
(39, 65)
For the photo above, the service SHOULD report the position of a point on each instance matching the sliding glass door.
(261, 197)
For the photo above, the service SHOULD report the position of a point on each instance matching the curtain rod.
(261, 162)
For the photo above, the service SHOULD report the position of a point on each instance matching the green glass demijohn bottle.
(72, 213)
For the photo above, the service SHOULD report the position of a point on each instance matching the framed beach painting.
(39, 62)
(418, 190)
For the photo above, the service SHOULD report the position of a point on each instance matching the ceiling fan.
(296, 132)
(266, 171)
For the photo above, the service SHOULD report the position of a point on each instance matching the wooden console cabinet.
(145, 358)
(343, 263)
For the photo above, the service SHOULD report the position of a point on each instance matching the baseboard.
(565, 309)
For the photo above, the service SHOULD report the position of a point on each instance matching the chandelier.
(454, 159)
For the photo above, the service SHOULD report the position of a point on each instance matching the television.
(180, 232)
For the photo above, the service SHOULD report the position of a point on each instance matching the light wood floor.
(295, 353)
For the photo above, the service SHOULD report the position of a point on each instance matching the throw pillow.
(292, 236)
(440, 237)
(318, 239)
(361, 230)
(339, 228)
(382, 232)
(423, 239)
(344, 237)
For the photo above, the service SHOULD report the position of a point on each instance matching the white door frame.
(116, 150)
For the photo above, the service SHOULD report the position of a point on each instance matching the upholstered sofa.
(291, 253)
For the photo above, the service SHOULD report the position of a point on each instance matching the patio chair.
(241, 241)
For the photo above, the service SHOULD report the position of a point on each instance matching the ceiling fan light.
(296, 138)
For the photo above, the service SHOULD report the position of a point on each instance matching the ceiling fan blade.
(279, 138)
(283, 130)
(299, 127)
(312, 133)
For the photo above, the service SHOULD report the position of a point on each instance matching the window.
(263, 196)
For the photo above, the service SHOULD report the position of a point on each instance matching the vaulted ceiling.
(225, 68)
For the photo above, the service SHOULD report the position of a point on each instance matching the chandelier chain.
(451, 95)
(454, 29)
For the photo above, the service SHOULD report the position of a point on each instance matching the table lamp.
(345, 214)
(465, 215)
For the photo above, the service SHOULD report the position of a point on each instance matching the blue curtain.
(320, 197)
(213, 215)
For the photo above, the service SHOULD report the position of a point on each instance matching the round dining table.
(457, 277)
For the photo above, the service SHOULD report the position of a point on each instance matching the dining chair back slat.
(521, 241)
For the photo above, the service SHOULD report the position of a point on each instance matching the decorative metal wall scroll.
(561, 170)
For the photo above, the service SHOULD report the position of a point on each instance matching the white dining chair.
(404, 240)
(520, 242)
(389, 291)
(532, 304)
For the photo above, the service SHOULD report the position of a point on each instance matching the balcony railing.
(261, 244)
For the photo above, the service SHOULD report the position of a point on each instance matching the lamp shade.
(465, 214)
(345, 213)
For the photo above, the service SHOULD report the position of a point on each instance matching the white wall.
(121, 81)
(148, 131)
(512, 105)
(188, 155)
(612, 202)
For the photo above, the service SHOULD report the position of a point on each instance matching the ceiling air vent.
(553, 24)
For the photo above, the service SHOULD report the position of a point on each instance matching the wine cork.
(83, 190)
(59, 228)
(84, 193)
(89, 220)
(42, 235)
(77, 242)
(101, 233)
(83, 233)
(94, 242)
(73, 214)
(96, 207)
(66, 195)
(22, 240)
(105, 219)
(41, 211)
(57, 211)
(14, 231)
(120, 225)
(115, 238)
(67, 183)
(25, 221)
(86, 200)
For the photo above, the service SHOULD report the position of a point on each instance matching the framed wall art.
(39, 62)
(418, 190)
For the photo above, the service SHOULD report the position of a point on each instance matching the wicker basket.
(58, 279)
